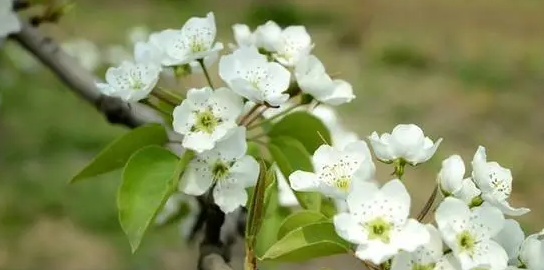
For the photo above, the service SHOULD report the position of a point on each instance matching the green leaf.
(260, 200)
(306, 243)
(290, 155)
(117, 153)
(149, 178)
(299, 219)
(304, 127)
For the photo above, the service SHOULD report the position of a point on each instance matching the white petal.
(451, 175)
(229, 197)
(276, 82)
(407, 141)
(532, 252)
(431, 252)
(247, 90)
(382, 148)
(348, 227)
(324, 155)
(243, 35)
(396, 191)
(233, 145)
(267, 35)
(402, 261)
(468, 191)
(376, 252)
(454, 213)
(341, 92)
(198, 141)
(510, 238)
(358, 151)
(198, 97)
(448, 262)
(486, 253)
(486, 222)
(411, 237)
(505, 207)
(246, 171)
(183, 118)
(201, 29)
(304, 181)
(479, 167)
(197, 178)
(363, 193)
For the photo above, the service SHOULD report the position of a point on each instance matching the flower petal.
(348, 227)
(229, 197)
(451, 175)
(375, 251)
(486, 222)
(197, 178)
(411, 237)
(510, 238)
(246, 171)
(304, 181)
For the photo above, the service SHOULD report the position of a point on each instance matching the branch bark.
(213, 254)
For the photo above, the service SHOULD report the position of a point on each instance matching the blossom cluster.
(470, 230)
(271, 70)
(260, 71)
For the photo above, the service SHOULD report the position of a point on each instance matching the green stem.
(249, 113)
(206, 74)
(258, 136)
(165, 96)
(399, 168)
(273, 117)
(157, 108)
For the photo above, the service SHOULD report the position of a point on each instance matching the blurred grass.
(471, 72)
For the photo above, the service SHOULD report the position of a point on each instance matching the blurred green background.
(469, 71)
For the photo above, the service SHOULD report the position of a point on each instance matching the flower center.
(343, 183)
(378, 229)
(417, 266)
(137, 85)
(338, 175)
(220, 170)
(206, 121)
(466, 241)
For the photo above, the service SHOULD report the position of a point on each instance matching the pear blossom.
(314, 80)
(450, 177)
(194, 41)
(337, 171)
(249, 74)
(406, 142)
(469, 232)
(425, 257)
(523, 252)
(226, 168)
(293, 44)
(84, 51)
(9, 23)
(378, 222)
(495, 182)
(206, 116)
(130, 82)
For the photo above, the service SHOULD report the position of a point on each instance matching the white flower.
(337, 171)
(243, 35)
(406, 142)
(130, 82)
(378, 222)
(206, 116)
(424, 257)
(293, 44)
(450, 177)
(531, 253)
(267, 36)
(249, 74)
(9, 22)
(194, 41)
(226, 168)
(85, 52)
(468, 233)
(522, 252)
(117, 54)
(495, 182)
(314, 80)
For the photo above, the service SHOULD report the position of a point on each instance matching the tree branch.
(213, 254)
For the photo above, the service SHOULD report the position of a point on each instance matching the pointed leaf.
(304, 127)
(306, 243)
(117, 153)
(149, 178)
(299, 219)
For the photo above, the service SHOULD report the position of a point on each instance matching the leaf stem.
(166, 96)
(206, 74)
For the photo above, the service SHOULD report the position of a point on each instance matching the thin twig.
(428, 204)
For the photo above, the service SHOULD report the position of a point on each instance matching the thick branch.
(214, 255)
(78, 79)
